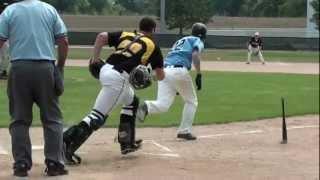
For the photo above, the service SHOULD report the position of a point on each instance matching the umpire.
(33, 28)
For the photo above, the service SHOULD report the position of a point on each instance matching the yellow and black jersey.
(133, 49)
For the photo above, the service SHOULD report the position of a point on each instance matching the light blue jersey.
(31, 26)
(181, 52)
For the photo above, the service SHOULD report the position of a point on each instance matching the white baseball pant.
(116, 90)
(176, 80)
(255, 51)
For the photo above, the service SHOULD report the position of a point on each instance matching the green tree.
(268, 8)
(227, 7)
(63, 5)
(183, 13)
(315, 4)
(80, 6)
(247, 8)
(140, 6)
(293, 8)
(99, 5)
(131, 5)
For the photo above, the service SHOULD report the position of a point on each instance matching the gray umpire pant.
(34, 82)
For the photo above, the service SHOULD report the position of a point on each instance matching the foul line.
(253, 132)
(231, 134)
(302, 127)
(163, 155)
(3, 151)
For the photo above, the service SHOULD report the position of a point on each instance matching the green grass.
(224, 55)
(226, 97)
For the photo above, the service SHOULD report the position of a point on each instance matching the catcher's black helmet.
(199, 30)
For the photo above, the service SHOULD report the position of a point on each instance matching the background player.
(132, 49)
(4, 51)
(4, 61)
(177, 65)
(255, 47)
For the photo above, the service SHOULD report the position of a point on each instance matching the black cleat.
(187, 136)
(55, 168)
(20, 170)
(125, 148)
(69, 157)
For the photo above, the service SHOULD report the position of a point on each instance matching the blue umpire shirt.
(31, 26)
(181, 52)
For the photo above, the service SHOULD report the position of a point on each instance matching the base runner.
(178, 80)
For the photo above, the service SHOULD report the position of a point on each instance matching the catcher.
(125, 68)
(255, 47)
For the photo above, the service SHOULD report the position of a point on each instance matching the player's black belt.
(120, 70)
(175, 66)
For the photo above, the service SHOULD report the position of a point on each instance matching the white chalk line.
(169, 153)
(3, 151)
(253, 132)
(302, 127)
(162, 146)
(163, 154)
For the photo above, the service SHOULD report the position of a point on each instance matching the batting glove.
(199, 81)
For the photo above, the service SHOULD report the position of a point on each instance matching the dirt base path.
(272, 67)
(242, 151)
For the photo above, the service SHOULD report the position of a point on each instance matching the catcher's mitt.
(140, 77)
(95, 68)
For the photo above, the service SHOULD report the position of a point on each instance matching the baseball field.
(238, 124)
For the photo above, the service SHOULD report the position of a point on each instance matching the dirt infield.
(242, 151)
(272, 67)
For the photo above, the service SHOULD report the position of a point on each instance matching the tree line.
(182, 13)
(250, 8)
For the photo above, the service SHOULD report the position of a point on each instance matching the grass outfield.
(224, 55)
(226, 97)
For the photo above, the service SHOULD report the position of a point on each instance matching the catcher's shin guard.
(126, 133)
(73, 138)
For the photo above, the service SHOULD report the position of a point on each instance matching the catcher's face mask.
(140, 77)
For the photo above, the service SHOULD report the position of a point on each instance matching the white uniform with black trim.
(254, 48)
(116, 90)
(114, 76)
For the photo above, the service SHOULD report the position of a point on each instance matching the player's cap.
(199, 30)
(257, 34)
